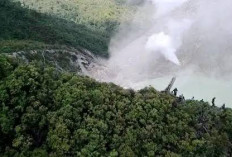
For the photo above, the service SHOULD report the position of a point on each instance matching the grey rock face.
(71, 60)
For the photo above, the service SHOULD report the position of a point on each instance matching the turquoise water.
(201, 87)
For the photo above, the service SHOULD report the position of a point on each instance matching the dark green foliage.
(44, 112)
(6, 66)
(17, 23)
(8, 46)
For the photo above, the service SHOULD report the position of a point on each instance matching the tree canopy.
(44, 112)
(23, 28)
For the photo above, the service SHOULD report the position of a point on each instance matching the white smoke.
(164, 44)
(166, 6)
(167, 44)
(170, 37)
(152, 37)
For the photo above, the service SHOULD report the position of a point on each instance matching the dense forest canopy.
(28, 27)
(103, 15)
(47, 113)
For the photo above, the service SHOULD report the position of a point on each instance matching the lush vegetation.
(8, 46)
(17, 23)
(47, 113)
(102, 15)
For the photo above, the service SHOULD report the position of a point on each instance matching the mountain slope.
(17, 23)
(103, 15)
(47, 111)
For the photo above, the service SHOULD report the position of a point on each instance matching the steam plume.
(167, 44)
(164, 34)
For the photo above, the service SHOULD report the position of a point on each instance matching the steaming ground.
(189, 39)
(190, 84)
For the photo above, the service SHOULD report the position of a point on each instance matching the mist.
(189, 39)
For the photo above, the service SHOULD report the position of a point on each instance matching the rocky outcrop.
(71, 60)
